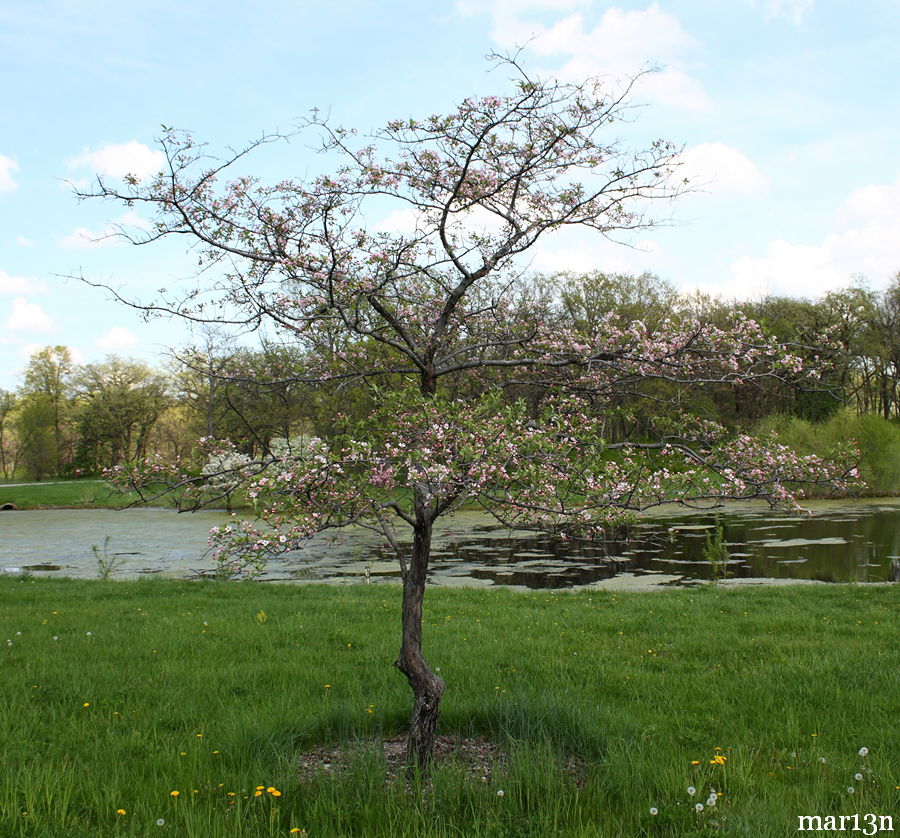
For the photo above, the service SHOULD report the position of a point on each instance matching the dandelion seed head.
(654, 810)
(857, 776)
(691, 791)
(863, 751)
(698, 807)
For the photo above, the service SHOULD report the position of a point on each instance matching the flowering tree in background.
(434, 308)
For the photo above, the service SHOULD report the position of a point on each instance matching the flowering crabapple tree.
(437, 308)
(224, 472)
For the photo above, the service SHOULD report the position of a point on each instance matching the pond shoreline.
(838, 541)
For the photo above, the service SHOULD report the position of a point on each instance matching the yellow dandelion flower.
(257, 793)
(695, 762)
(87, 703)
(276, 793)
(120, 811)
(260, 788)
(270, 789)
(174, 793)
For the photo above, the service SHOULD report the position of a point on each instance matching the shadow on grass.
(557, 730)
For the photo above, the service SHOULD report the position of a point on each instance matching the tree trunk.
(426, 686)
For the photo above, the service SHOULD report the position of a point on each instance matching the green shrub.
(877, 439)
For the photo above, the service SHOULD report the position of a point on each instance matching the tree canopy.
(495, 396)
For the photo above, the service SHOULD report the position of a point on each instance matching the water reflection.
(840, 542)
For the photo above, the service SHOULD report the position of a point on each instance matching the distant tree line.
(69, 419)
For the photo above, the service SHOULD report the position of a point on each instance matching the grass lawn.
(117, 695)
(89, 494)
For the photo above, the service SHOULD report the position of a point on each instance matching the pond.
(840, 541)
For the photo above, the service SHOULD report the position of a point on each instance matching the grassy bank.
(118, 695)
(69, 494)
(877, 439)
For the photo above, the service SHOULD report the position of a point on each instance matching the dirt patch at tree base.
(479, 757)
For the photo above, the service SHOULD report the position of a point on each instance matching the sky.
(788, 112)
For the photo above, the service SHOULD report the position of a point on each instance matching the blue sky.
(789, 112)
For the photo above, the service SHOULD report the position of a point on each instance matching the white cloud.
(26, 350)
(866, 244)
(871, 204)
(718, 169)
(82, 238)
(792, 10)
(620, 44)
(21, 241)
(398, 222)
(10, 284)
(581, 252)
(404, 222)
(117, 338)
(122, 159)
(7, 167)
(28, 317)
(471, 7)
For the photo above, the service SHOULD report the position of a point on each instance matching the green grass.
(876, 438)
(80, 494)
(116, 694)
(77, 494)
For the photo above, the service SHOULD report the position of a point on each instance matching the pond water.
(840, 541)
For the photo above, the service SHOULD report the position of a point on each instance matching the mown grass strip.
(115, 695)
(69, 494)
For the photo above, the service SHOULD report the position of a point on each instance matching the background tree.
(199, 372)
(120, 402)
(483, 184)
(887, 326)
(9, 450)
(48, 386)
(37, 433)
(808, 326)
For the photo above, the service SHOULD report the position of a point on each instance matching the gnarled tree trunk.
(426, 686)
